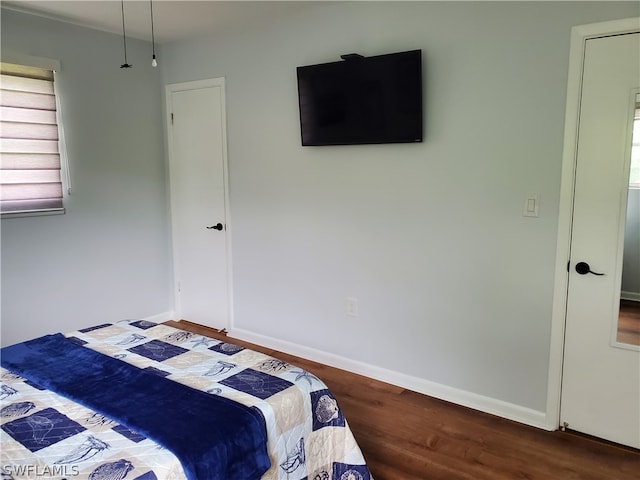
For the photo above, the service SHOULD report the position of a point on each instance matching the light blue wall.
(454, 285)
(108, 257)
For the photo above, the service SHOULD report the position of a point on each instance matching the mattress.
(46, 435)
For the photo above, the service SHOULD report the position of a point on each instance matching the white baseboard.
(472, 400)
(634, 296)
(161, 317)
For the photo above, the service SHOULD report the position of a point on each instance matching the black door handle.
(215, 227)
(583, 268)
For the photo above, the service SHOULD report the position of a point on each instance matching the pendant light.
(154, 62)
(124, 39)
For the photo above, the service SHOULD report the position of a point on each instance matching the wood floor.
(408, 436)
(629, 322)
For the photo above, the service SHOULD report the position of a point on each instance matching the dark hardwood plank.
(629, 322)
(405, 435)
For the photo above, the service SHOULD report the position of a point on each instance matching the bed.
(288, 424)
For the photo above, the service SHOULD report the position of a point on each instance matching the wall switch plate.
(352, 307)
(531, 206)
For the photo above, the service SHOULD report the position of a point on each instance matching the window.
(30, 165)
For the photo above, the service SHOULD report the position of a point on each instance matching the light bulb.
(154, 63)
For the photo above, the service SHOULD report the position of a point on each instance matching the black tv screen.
(362, 100)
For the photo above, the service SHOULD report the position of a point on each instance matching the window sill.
(41, 213)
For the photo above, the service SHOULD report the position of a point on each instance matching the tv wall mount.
(351, 56)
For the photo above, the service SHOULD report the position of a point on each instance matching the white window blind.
(30, 167)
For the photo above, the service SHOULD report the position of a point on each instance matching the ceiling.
(173, 19)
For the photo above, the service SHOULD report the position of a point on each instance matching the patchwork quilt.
(45, 435)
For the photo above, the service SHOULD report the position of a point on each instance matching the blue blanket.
(213, 437)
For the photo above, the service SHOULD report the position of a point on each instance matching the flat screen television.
(362, 100)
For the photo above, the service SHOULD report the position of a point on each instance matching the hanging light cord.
(124, 39)
(154, 63)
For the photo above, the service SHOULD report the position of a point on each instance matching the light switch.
(531, 205)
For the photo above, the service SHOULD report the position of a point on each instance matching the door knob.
(215, 227)
(583, 268)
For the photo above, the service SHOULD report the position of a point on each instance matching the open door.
(601, 376)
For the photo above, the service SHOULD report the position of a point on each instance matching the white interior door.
(197, 144)
(601, 378)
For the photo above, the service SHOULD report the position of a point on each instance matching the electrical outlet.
(352, 307)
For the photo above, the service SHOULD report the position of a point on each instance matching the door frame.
(579, 35)
(218, 82)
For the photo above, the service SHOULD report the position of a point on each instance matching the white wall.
(454, 285)
(108, 257)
